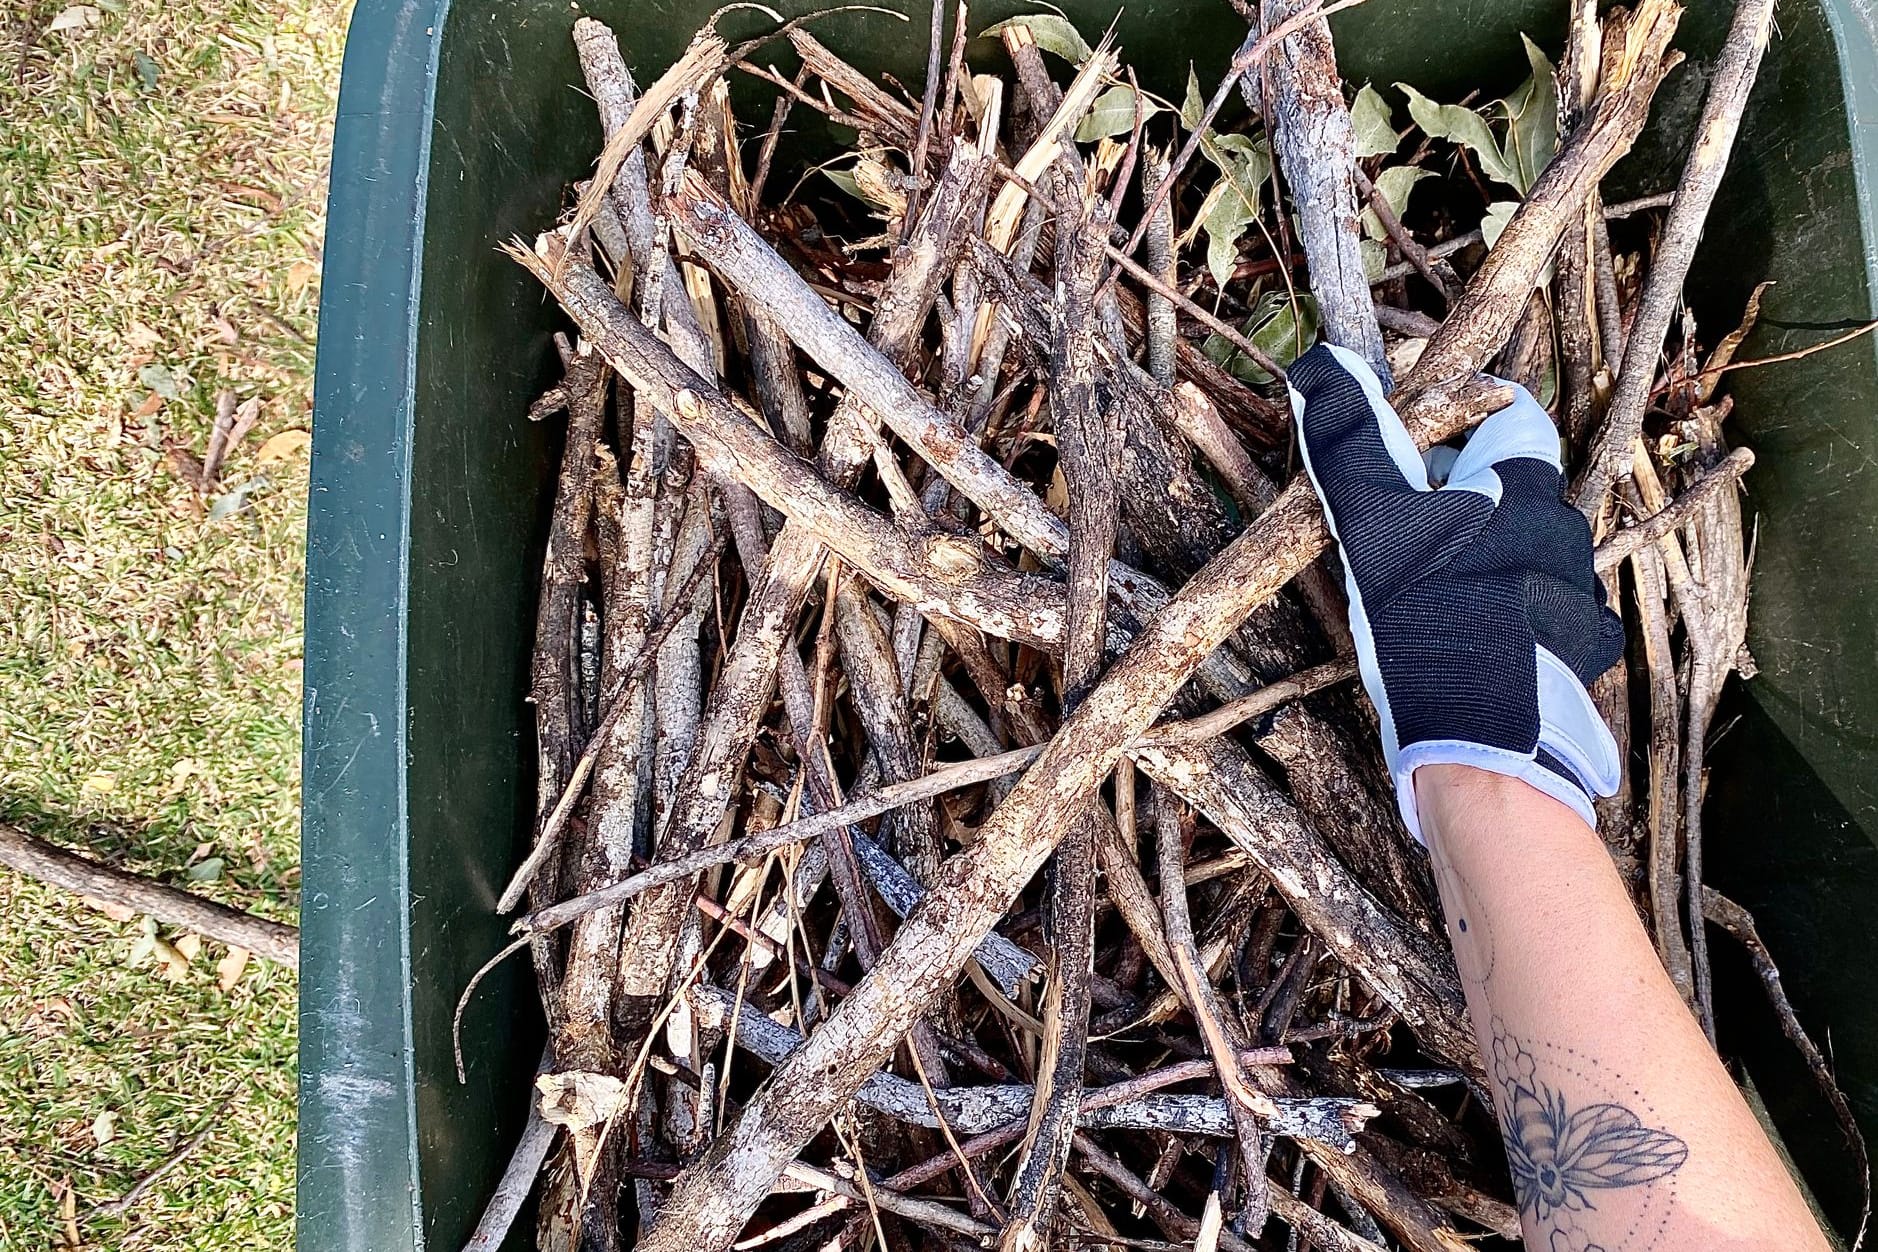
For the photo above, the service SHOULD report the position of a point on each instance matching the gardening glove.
(1478, 619)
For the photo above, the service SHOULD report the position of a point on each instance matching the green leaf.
(1226, 217)
(1394, 183)
(1052, 32)
(1376, 134)
(146, 69)
(1113, 113)
(1193, 108)
(1532, 120)
(1492, 226)
(1277, 327)
(1375, 259)
(845, 180)
(208, 869)
(1233, 204)
(1245, 162)
(1465, 127)
(158, 378)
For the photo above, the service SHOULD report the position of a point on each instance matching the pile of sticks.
(882, 575)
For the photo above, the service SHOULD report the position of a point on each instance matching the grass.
(161, 190)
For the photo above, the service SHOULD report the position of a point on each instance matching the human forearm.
(1623, 1130)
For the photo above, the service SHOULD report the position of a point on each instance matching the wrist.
(1463, 803)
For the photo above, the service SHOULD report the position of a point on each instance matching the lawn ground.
(162, 181)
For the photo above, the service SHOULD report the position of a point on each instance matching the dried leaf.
(141, 335)
(1532, 121)
(104, 1127)
(1730, 344)
(285, 444)
(1052, 32)
(1113, 113)
(229, 969)
(68, 1212)
(189, 946)
(1394, 183)
(77, 17)
(578, 1099)
(232, 424)
(116, 912)
(175, 964)
(101, 783)
(1376, 134)
(236, 498)
(1461, 125)
(300, 275)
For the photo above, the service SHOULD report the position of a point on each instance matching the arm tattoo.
(1589, 1171)
(1564, 1156)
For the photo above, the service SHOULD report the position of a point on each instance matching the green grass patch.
(162, 184)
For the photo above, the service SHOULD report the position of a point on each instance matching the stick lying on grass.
(40, 860)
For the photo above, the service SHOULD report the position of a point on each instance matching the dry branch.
(1730, 81)
(43, 862)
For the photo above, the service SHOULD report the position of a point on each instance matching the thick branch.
(45, 863)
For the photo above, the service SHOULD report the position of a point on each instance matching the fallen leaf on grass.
(101, 783)
(104, 1127)
(141, 335)
(175, 964)
(151, 403)
(189, 946)
(146, 69)
(229, 969)
(236, 498)
(116, 912)
(158, 378)
(150, 943)
(300, 274)
(209, 869)
(77, 17)
(285, 444)
(185, 464)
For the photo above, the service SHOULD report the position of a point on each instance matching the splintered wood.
(957, 822)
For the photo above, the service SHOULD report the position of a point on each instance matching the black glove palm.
(1478, 618)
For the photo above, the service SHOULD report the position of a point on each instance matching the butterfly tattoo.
(1559, 1155)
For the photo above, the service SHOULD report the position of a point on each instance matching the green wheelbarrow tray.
(460, 125)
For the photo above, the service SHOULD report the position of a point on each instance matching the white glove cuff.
(1525, 768)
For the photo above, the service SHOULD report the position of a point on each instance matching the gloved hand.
(1477, 615)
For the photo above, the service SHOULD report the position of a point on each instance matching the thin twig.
(1623, 544)
(124, 1203)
